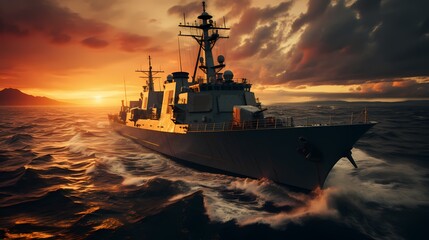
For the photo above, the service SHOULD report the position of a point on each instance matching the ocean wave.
(262, 201)
(162, 187)
(28, 181)
(250, 201)
(102, 125)
(6, 125)
(49, 212)
(380, 181)
(47, 158)
(24, 128)
(96, 221)
(58, 147)
(102, 176)
(82, 180)
(316, 205)
(9, 177)
(77, 144)
(25, 197)
(42, 120)
(13, 161)
(20, 138)
(184, 217)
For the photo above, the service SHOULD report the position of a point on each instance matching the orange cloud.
(94, 42)
(133, 42)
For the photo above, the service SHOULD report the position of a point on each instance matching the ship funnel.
(170, 78)
(181, 79)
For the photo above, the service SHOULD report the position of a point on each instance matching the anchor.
(350, 158)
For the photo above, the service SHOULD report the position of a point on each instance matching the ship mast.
(207, 39)
(149, 75)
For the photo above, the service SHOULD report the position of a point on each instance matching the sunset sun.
(98, 99)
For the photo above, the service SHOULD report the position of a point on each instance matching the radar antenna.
(207, 39)
(149, 76)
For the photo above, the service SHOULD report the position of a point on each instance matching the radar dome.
(170, 78)
(228, 75)
(220, 59)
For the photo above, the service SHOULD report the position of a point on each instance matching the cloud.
(190, 8)
(133, 42)
(256, 34)
(261, 39)
(94, 42)
(338, 43)
(315, 9)
(252, 17)
(256, 41)
(394, 89)
(44, 45)
(97, 5)
(367, 40)
(236, 8)
(377, 47)
(57, 24)
(59, 37)
(12, 29)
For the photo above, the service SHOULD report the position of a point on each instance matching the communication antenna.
(149, 76)
(159, 82)
(180, 56)
(125, 92)
(208, 33)
(184, 18)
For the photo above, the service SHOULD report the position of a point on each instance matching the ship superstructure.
(217, 122)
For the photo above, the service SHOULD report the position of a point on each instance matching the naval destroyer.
(215, 121)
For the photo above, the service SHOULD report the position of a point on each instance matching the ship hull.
(298, 156)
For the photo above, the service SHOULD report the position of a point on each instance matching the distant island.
(14, 97)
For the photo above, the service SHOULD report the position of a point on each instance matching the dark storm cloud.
(190, 8)
(27, 18)
(315, 9)
(370, 39)
(257, 31)
(261, 37)
(12, 29)
(252, 16)
(94, 42)
(59, 25)
(261, 29)
(235, 7)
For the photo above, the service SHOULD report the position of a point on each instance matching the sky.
(83, 51)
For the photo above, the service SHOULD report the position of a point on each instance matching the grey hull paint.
(260, 153)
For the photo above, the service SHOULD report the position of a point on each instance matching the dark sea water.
(64, 174)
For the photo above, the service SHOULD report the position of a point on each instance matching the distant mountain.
(14, 97)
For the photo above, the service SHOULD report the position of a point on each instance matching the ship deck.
(275, 123)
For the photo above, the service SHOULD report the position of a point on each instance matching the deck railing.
(274, 122)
